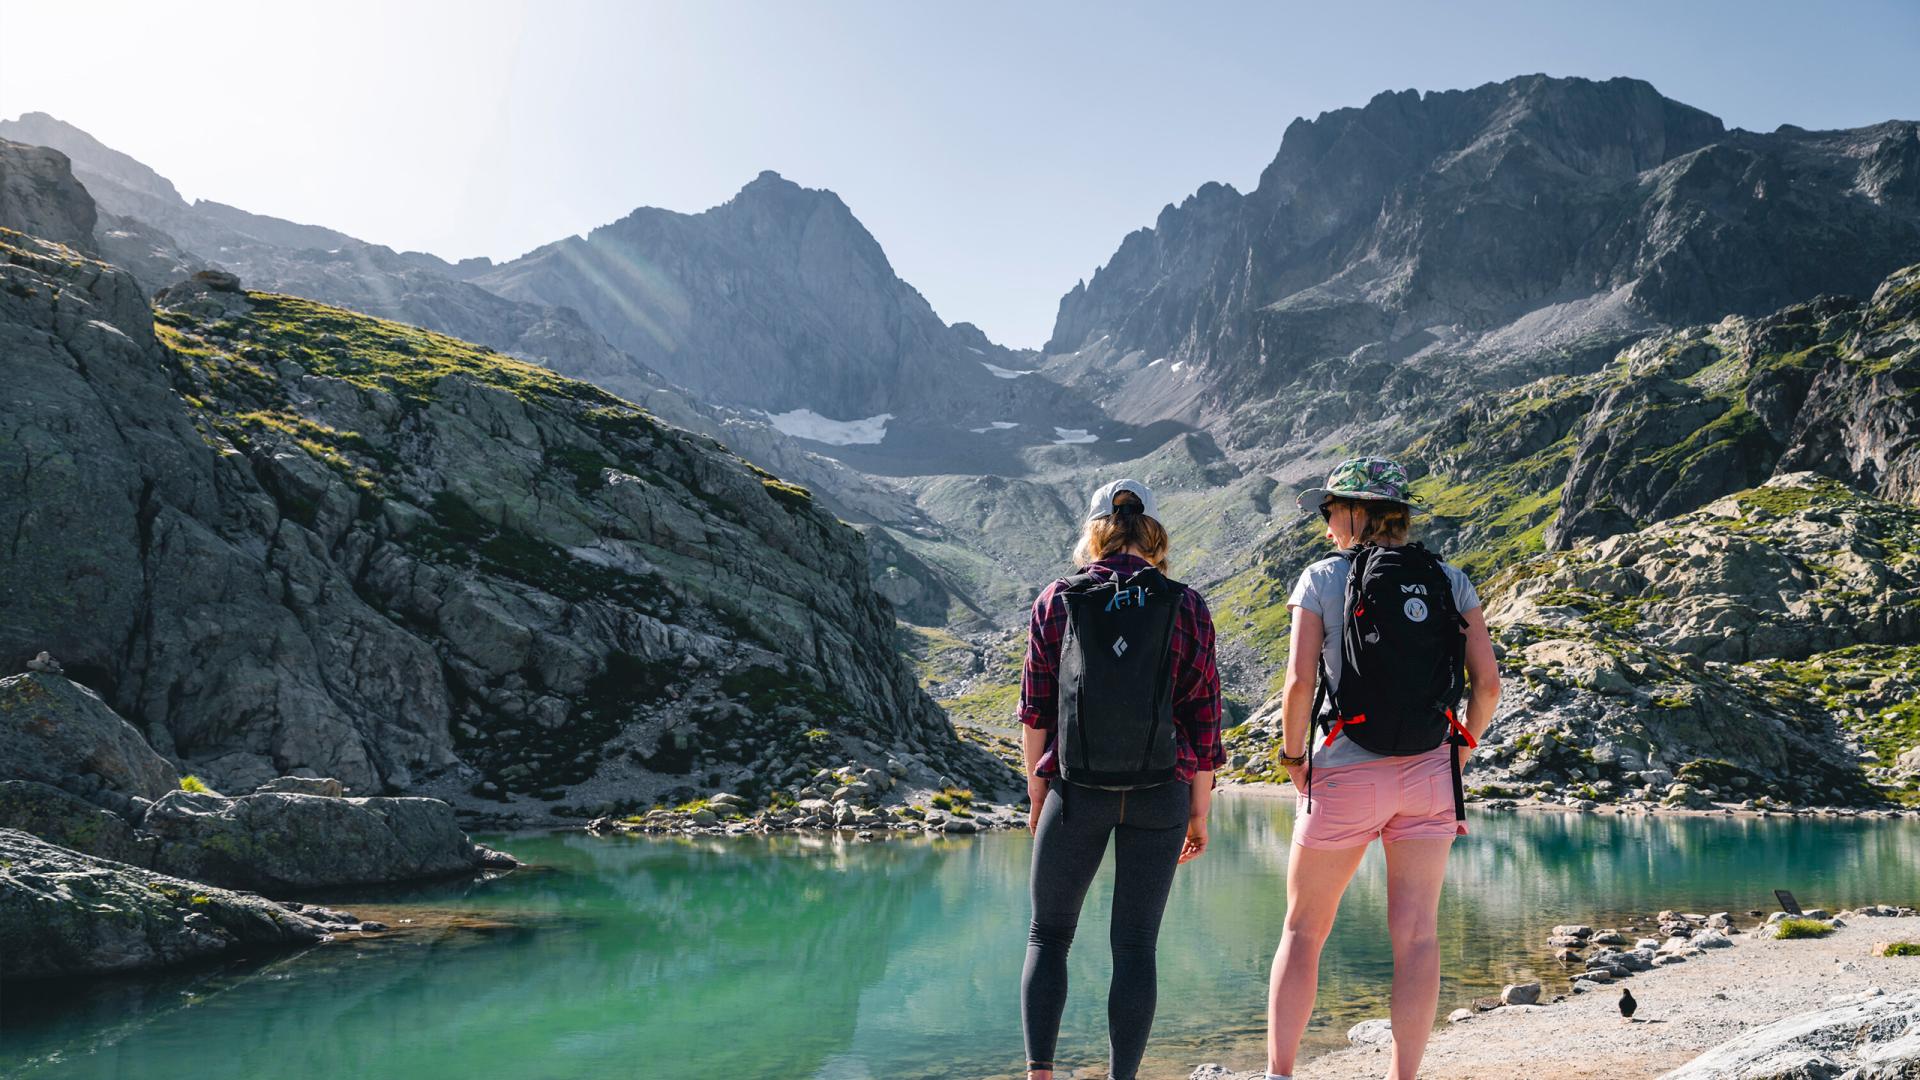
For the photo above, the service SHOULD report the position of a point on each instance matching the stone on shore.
(55, 731)
(276, 841)
(1520, 994)
(64, 913)
(1371, 1033)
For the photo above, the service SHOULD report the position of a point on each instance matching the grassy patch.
(1802, 928)
(1903, 948)
(195, 785)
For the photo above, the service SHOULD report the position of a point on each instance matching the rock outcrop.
(37, 196)
(55, 731)
(65, 819)
(280, 842)
(1684, 418)
(285, 537)
(1874, 1039)
(63, 913)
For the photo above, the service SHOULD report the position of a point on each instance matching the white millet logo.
(1120, 647)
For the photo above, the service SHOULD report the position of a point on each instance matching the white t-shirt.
(1322, 589)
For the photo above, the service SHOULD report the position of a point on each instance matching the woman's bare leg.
(1316, 877)
(1415, 871)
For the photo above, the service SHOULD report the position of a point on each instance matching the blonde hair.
(1117, 532)
(1386, 523)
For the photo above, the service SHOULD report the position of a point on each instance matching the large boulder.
(1880, 1037)
(62, 818)
(278, 841)
(55, 731)
(63, 913)
(40, 197)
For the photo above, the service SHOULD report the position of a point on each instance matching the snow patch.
(807, 424)
(996, 425)
(1127, 439)
(976, 352)
(1158, 362)
(1072, 436)
(1177, 365)
(1000, 372)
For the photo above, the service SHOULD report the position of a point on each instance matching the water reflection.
(834, 959)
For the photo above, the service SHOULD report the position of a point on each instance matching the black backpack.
(1402, 659)
(1116, 680)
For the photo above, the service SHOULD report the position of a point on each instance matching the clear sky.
(999, 151)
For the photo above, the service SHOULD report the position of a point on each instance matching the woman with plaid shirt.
(1153, 829)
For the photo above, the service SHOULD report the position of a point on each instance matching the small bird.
(1627, 1003)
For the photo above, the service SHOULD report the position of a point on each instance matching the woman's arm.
(1483, 676)
(1296, 702)
(1033, 743)
(1040, 693)
(1196, 711)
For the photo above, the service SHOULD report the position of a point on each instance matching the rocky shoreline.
(1556, 802)
(868, 801)
(864, 802)
(111, 861)
(1720, 1001)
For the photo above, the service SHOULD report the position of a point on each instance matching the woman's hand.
(1297, 774)
(1196, 843)
(1037, 799)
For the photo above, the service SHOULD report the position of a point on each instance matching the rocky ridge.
(462, 568)
(1426, 246)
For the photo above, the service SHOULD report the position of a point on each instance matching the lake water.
(832, 959)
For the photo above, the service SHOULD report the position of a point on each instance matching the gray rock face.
(61, 818)
(64, 913)
(39, 197)
(1685, 418)
(279, 841)
(1509, 222)
(57, 732)
(297, 539)
(1875, 1039)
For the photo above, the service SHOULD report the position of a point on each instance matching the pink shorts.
(1406, 798)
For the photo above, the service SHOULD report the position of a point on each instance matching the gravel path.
(1685, 1009)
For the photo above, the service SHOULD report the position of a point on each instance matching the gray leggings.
(1148, 826)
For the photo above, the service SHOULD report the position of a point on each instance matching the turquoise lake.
(834, 959)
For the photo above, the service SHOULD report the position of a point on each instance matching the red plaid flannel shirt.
(1196, 681)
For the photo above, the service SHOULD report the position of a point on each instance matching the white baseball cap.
(1102, 504)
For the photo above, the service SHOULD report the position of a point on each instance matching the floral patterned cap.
(1361, 478)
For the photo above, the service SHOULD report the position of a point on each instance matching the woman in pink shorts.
(1350, 795)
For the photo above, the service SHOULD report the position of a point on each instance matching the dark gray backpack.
(1116, 680)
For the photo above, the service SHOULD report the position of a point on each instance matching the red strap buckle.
(1472, 742)
(1360, 718)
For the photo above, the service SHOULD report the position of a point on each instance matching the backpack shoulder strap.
(1153, 579)
(1078, 582)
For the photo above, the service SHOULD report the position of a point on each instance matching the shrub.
(1903, 948)
(1802, 928)
(195, 785)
